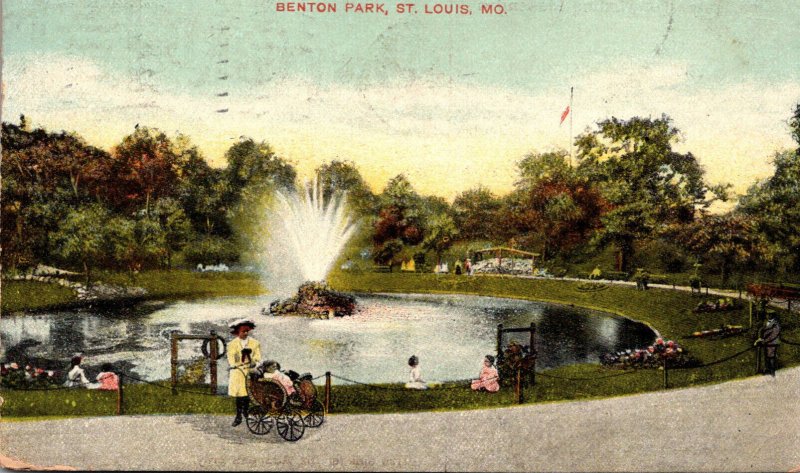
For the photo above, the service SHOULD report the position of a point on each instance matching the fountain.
(309, 238)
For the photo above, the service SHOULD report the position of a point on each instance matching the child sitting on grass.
(488, 379)
(415, 378)
(109, 381)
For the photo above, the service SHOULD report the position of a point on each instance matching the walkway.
(706, 291)
(746, 425)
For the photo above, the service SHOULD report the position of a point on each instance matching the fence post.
(327, 392)
(666, 374)
(758, 359)
(212, 360)
(499, 340)
(518, 386)
(533, 353)
(119, 394)
(173, 338)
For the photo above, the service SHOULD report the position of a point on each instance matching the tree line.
(152, 200)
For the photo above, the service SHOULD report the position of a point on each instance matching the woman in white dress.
(76, 378)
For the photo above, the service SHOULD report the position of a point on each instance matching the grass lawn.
(171, 284)
(33, 295)
(18, 296)
(670, 312)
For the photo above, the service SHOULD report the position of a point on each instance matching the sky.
(451, 101)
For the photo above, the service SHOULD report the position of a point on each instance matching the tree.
(202, 191)
(44, 176)
(123, 249)
(730, 241)
(476, 214)
(256, 165)
(539, 167)
(174, 225)
(551, 207)
(774, 203)
(82, 237)
(399, 219)
(440, 235)
(647, 185)
(144, 168)
(343, 177)
(211, 249)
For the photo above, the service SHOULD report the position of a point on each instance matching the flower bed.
(651, 357)
(724, 331)
(13, 376)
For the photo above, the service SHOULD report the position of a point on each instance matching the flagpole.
(571, 112)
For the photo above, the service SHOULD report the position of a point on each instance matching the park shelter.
(499, 251)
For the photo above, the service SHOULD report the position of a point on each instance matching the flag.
(564, 115)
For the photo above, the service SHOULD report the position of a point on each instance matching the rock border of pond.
(97, 295)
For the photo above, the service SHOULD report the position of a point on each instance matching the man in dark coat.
(770, 339)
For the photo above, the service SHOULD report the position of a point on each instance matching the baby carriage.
(273, 406)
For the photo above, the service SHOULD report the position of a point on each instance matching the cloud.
(446, 136)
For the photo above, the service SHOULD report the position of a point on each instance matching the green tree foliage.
(647, 184)
(123, 247)
(83, 237)
(729, 242)
(211, 250)
(253, 174)
(400, 219)
(774, 203)
(44, 176)
(475, 214)
(202, 191)
(343, 177)
(173, 225)
(255, 167)
(440, 235)
(552, 208)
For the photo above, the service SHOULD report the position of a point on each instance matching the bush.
(211, 250)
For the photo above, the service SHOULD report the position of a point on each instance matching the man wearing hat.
(771, 339)
(243, 353)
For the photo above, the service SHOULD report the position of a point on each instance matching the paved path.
(746, 425)
(705, 291)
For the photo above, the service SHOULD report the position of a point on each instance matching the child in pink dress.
(109, 381)
(272, 370)
(488, 380)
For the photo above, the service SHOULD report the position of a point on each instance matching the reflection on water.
(450, 334)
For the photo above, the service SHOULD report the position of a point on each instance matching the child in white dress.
(415, 381)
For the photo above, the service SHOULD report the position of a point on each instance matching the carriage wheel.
(315, 415)
(291, 426)
(258, 421)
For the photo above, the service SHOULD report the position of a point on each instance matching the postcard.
(436, 235)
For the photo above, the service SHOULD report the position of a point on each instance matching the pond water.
(449, 333)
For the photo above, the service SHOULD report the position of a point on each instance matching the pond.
(449, 333)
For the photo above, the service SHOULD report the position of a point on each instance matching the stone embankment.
(93, 292)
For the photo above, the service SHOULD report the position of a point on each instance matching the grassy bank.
(33, 295)
(175, 284)
(670, 312)
(21, 296)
